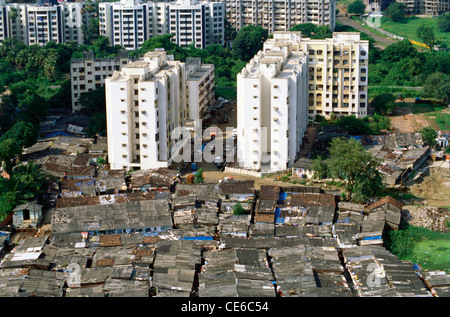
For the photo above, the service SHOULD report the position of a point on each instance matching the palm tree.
(26, 182)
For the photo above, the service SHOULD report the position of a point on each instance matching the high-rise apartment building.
(40, 24)
(280, 15)
(272, 106)
(89, 73)
(145, 102)
(428, 7)
(338, 74)
(291, 80)
(130, 22)
(200, 87)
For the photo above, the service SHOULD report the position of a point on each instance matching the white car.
(218, 160)
(234, 133)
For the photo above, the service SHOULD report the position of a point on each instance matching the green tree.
(356, 7)
(249, 41)
(384, 103)
(396, 12)
(437, 85)
(398, 51)
(428, 136)
(313, 31)
(351, 163)
(354, 126)
(199, 176)
(320, 168)
(444, 22)
(23, 134)
(8, 149)
(426, 34)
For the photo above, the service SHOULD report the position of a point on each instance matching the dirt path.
(381, 42)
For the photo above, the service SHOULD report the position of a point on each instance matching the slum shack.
(27, 215)
(234, 192)
(388, 209)
(306, 208)
(233, 225)
(142, 216)
(153, 180)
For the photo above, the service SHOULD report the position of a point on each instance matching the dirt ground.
(403, 120)
(434, 187)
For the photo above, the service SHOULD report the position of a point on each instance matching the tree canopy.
(396, 12)
(356, 7)
(358, 168)
(249, 41)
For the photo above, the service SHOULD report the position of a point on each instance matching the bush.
(238, 209)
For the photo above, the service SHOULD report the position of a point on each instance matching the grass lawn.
(433, 254)
(408, 29)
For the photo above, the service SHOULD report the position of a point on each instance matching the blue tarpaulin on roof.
(282, 196)
(372, 238)
(197, 238)
(277, 212)
(280, 220)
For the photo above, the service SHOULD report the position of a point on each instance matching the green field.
(408, 29)
(432, 254)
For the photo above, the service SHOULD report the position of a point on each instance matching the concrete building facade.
(290, 81)
(39, 24)
(272, 106)
(145, 102)
(338, 75)
(89, 73)
(280, 15)
(130, 22)
(200, 87)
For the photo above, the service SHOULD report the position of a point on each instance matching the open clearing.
(433, 254)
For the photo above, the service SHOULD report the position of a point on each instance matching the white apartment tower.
(280, 15)
(130, 22)
(272, 106)
(291, 80)
(145, 102)
(38, 24)
(200, 87)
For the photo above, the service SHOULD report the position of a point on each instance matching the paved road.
(381, 41)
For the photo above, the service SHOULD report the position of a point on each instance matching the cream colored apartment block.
(145, 102)
(280, 15)
(337, 75)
